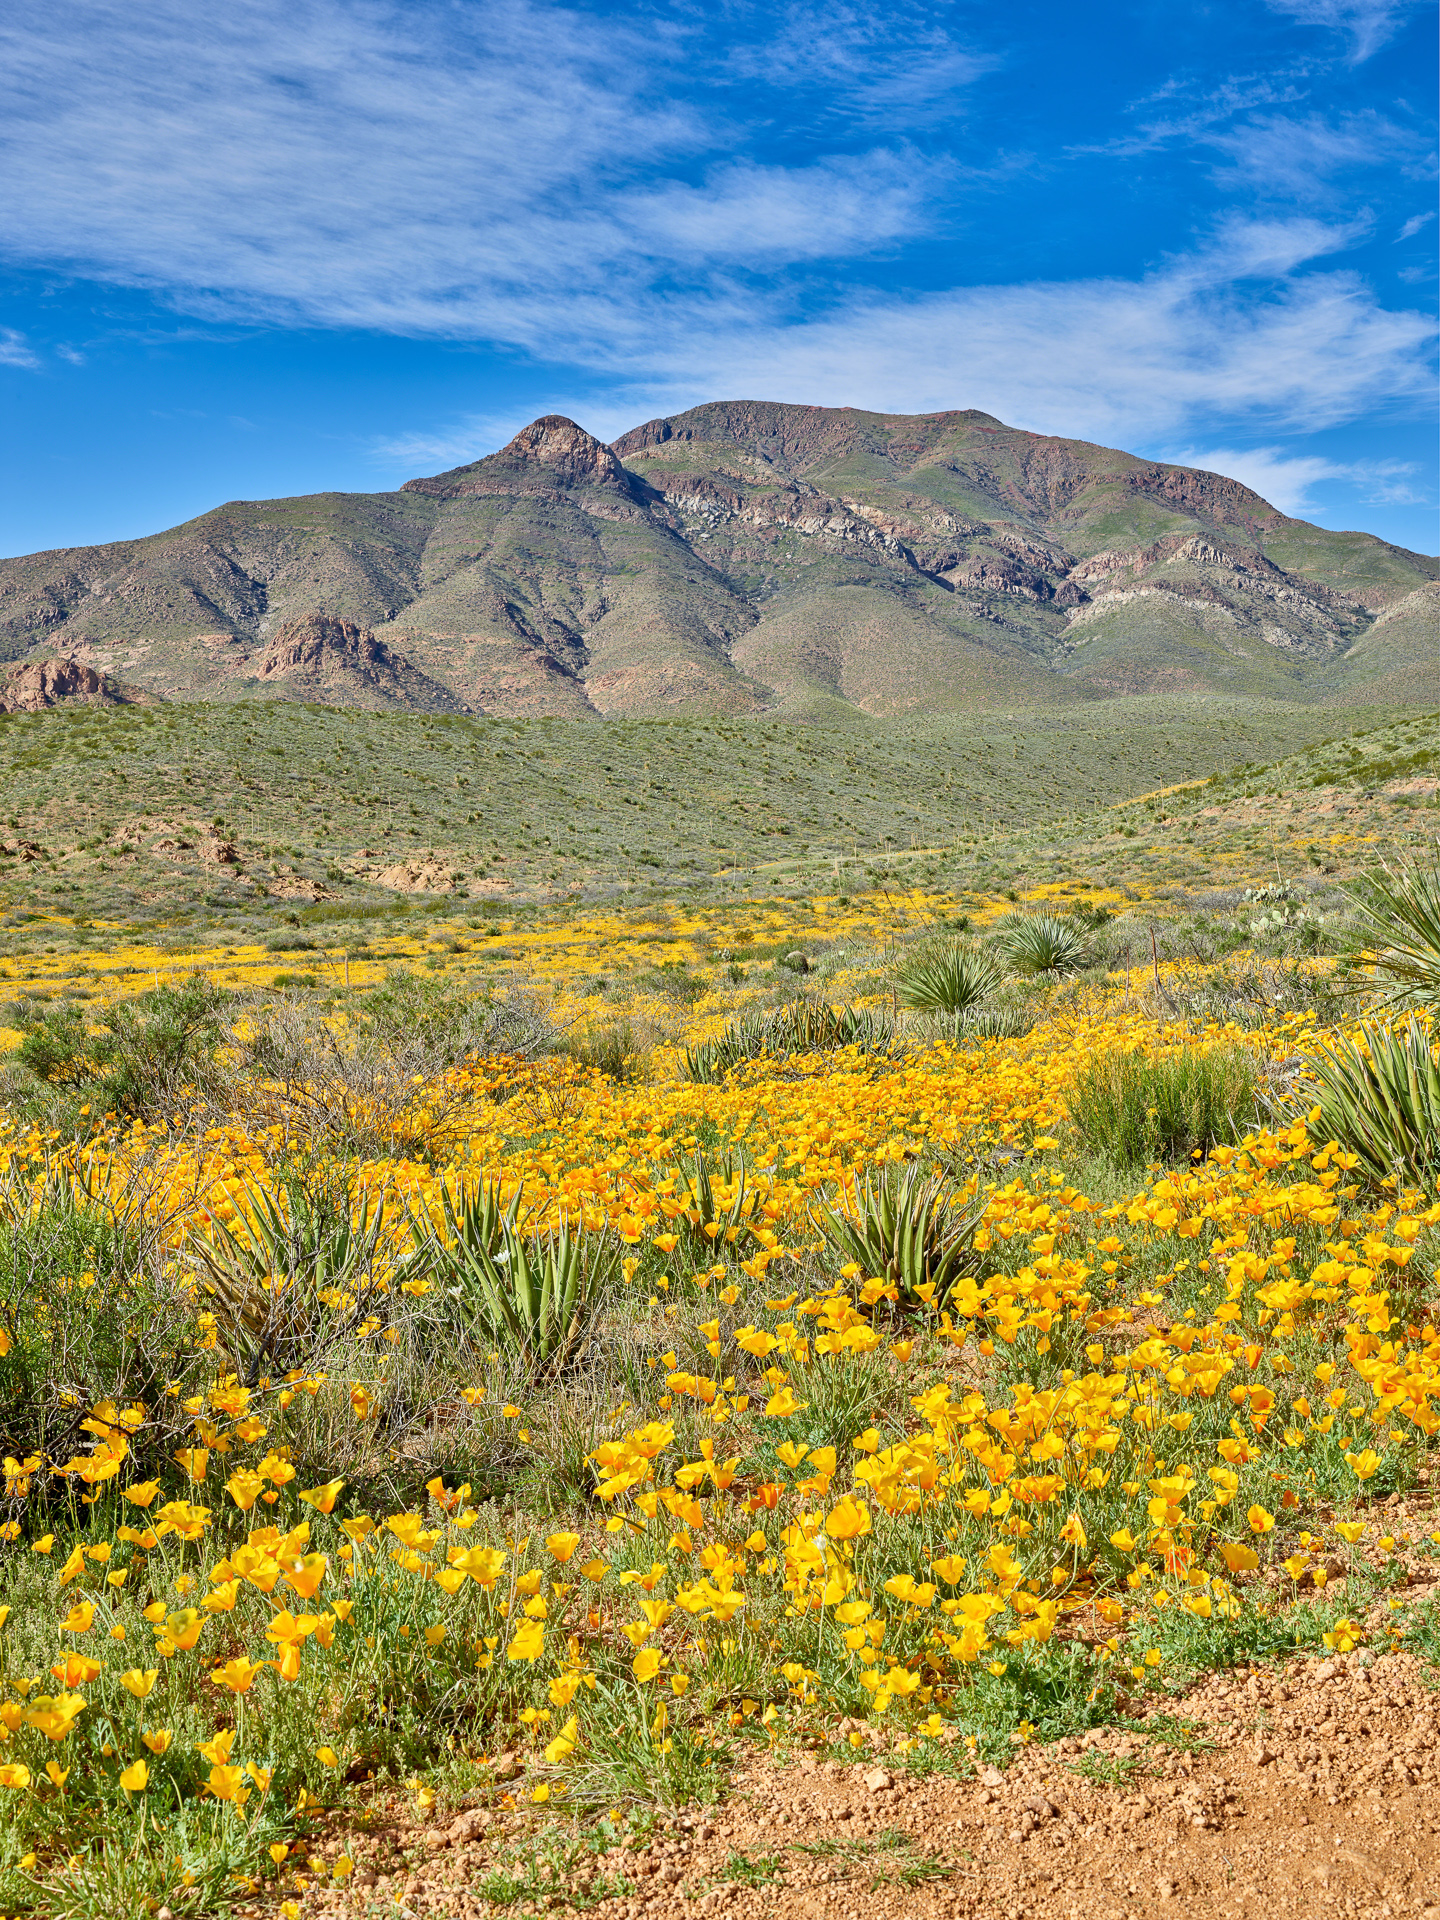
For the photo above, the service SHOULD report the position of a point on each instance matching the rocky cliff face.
(740, 557)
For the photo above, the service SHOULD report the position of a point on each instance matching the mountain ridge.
(746, 557)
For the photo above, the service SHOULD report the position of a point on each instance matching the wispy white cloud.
(1415, 224)
(1288, 480)
(1229, 330)
(15, 350)
(1366, 24)
(869, 61)
(421, 169)
(1297, 158)
(528, 175)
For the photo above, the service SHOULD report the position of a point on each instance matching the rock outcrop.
(36, 684)
(339, 663)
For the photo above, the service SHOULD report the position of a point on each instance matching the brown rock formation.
(36, 684)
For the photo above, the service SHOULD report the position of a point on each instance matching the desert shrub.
(90, 1315)
(1042, 943)
(904, 1227)
(144, 1055)
(950, 979)
(433, 1024)
(1378, 1095)
(357, 1092)
(613, 1051)
(1134, 1109)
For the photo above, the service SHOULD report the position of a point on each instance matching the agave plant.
(531, 1295)
(1042, 943)
(290, 1274)
(703, 1214)
(744, 1039)
(473, 1221)
(903, 1228)
(1378, 1095)
(952, 979)
(1402, 910)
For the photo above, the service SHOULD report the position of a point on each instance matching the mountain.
(747, 557)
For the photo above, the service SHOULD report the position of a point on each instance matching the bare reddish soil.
(1313, 1791)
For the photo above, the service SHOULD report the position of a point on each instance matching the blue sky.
(290, 245)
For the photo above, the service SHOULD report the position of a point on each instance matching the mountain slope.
(746, 557)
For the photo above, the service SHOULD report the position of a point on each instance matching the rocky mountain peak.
(576, 455)
(551, 452)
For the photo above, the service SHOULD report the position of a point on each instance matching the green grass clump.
(1136, 1110)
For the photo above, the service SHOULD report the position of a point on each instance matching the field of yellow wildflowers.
(290, 1504)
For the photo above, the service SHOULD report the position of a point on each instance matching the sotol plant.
(1041, 943)
(1402, 911)
(951, 979)
(1379, 1089)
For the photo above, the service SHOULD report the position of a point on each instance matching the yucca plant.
(952, 979)
(1378, 1095)
(1041, 943)
(531, 1296)
(1402, 911)
(290, 1274)
(903, 1227)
